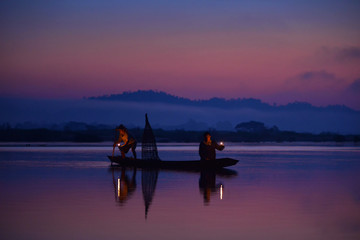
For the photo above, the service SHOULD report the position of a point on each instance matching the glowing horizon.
(277, 52)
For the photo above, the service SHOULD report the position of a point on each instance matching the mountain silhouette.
(171, 112)
(251, 103)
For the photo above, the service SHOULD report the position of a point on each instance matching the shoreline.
(178, 144)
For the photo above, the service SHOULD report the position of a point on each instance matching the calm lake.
(276, 191)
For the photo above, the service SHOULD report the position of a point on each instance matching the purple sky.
(278, 52)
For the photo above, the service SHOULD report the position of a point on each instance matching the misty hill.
(151, 96)
(169, 112)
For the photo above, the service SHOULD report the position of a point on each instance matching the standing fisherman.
(125, 141)
(207, 148)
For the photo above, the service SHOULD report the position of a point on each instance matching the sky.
(277, 51)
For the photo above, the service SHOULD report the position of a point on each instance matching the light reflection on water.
(275, 192)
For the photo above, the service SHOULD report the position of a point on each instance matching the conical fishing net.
(149, 149)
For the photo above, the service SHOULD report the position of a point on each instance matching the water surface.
(276, 191)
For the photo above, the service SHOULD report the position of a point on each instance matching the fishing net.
(149, 149)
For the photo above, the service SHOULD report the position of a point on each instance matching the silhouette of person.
(207, 148)
(125, 141)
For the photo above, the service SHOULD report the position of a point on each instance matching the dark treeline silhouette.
(245, 132)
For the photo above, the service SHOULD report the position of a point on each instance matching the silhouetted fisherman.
(207, 148)
(125, 141)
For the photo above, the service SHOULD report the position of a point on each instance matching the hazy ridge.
(171, 112)
(252, 103)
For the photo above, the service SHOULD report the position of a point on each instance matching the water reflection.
(208, 185)
(148, 184)
(277, 194)
(125, 184)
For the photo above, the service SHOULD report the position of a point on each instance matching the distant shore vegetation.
(251, 131)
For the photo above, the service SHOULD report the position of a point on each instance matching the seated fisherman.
(207, 148)
(127, 141)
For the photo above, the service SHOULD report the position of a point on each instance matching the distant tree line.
(245, 132)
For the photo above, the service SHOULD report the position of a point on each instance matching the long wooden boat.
(193, 165)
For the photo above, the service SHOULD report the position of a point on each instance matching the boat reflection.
(124, 186)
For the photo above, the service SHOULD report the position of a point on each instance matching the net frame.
(149, 149)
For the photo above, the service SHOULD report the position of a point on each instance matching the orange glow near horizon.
(226, 49)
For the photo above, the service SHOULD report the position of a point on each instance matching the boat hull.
(193, 165)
